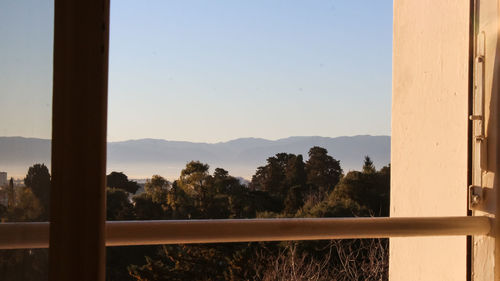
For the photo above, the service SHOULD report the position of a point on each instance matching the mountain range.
(144, 157)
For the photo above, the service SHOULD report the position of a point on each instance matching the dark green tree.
(271, 178)
(323, 171)
(180, 203)
(369, 188)
(118, 206)
(295, 171)
(220, 173)
(194, 174)
(146, 209)
(152, 203)
(38, 180)
(157, 188)
(120, 180)
(194, 180)
(11, 194)
(368, 167)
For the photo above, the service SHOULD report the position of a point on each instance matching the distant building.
(3, 179)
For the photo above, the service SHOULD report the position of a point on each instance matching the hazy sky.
(215, 70)
(26, 37)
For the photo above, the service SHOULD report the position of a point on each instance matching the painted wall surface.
(429, 133)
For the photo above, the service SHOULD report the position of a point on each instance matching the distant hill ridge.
(144, 157)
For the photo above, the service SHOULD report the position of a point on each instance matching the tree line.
(286, 186)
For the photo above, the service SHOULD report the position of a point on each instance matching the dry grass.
(356, 259)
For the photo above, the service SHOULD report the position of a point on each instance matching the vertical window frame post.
(77, 207)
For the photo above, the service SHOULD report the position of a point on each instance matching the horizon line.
(218, 142)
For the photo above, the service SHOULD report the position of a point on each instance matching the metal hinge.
(478, 134)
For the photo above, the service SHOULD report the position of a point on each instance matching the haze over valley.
(144, 157)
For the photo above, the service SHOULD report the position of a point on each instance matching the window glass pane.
(26, 46)
(247, 109)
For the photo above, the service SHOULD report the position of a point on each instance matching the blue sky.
(216, 70)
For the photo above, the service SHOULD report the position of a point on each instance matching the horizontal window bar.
(125, 233)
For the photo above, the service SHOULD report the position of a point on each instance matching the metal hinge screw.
(475, 195)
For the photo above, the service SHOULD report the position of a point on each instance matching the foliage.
(27, 207)
(285, 187)
(323, 171)
(118, 206)
(369, 189)
(38, 180)
(120, 180)
(27, 204)
(368, 167)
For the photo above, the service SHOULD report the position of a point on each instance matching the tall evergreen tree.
(368, 167)
(11, 194)
(323, 171)
(38, 180)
